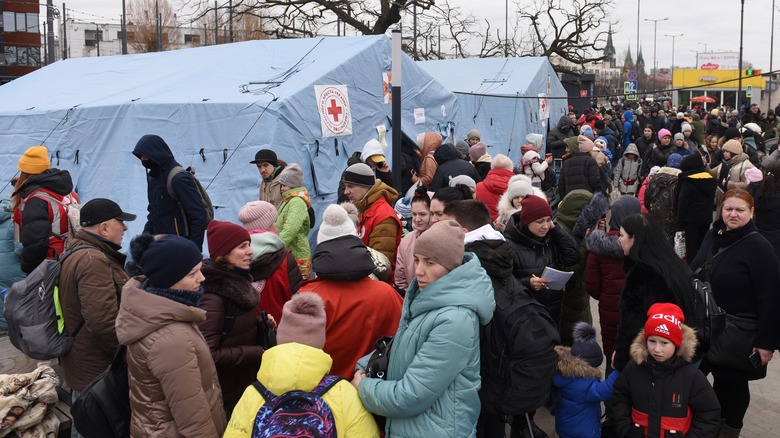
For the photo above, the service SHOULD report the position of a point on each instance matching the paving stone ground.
(763, 416)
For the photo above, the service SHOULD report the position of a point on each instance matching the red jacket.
(358, 313)
(604, 278)
(376, 208)
(492, 187)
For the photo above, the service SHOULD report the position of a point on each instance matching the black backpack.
(518, 355)
(636, 131)
(103, 407)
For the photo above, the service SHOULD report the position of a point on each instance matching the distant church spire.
(609, 49)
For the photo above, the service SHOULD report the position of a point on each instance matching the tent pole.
(396, 111)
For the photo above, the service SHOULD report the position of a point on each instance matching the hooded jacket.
(490, 189)
(628, 126)
(91, 281)
(292, 225)
(275, 274)
(450, 165)
(433, 371)
(293, 366)
(428, 164)
(580, 171)
(695, 196)
(10, 251)
(379, 226)
(404, 264)
(164, 213)
(35, 222)
(660, 199)
(665, 396)
(698, 128)
(604, 279)
(236, 354)
(352, 300)
(628, 172)
(174, 389)
(563, 130)
(577, 395)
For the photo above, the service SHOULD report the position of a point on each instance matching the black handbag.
(732, 348)
(102, 410)
(266, 333)
(377, 363)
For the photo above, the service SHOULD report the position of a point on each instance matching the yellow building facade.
(721, 85)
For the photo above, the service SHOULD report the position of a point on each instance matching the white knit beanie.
(258, 215)
(335, 223)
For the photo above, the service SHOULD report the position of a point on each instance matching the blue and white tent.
(216, 107)
(503, 98)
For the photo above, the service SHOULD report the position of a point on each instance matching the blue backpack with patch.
(296, 413)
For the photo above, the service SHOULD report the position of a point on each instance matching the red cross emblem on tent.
(333, 106)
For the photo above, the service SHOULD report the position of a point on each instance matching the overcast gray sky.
(715, 22)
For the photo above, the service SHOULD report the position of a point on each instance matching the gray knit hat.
(359, 174)
(291, 176)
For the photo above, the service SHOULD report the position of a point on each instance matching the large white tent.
(504, 98)
(216, 107)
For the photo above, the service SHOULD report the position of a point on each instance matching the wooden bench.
(13, 361)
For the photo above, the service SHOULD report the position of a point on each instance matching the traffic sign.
(631, 75)
(749, 91)
(629, 87)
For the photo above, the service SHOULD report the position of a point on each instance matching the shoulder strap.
(169, 181)
(169, 188)
(325, 384)
(707, 267)
(267, 395)
(230, 317)
(56, 218)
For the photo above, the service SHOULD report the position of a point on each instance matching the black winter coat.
(745, 278)
(656, 122)
(385, 177)
(530, 256)
(659, 155)
(642, 288)
(164, 213)
(522, 383)
(767, 216)
(556, 139)
(664, 396)
(344, 258)
(695, 198)
(36, 226)
(450, 165)
(580, 171)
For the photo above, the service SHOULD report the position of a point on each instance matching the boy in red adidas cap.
(660, 393)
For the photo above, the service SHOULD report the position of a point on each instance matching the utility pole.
(64, 32)
(97, 38)
(124, 29)
(671, 72)
(51, 56)
(655, 40)
(216, 24)
(506, 31)
(157, 19)
(741, 33)
(771, 53)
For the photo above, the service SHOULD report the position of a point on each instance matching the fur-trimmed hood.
(590, 215)
(686, 351)
(572, 366)
(505, 207)
(605, 244)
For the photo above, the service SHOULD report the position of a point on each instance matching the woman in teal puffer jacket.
(433, 371)
(10, 254)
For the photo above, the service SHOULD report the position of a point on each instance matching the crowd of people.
(453, 265)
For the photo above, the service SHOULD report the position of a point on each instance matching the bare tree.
(574, 30)
(142, 25)
(306, 18)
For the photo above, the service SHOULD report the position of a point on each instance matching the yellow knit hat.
(35, 160)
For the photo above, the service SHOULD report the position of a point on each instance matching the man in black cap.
(269, 167)
(91, 281)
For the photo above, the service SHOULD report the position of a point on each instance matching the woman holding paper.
(654, 274)
(537, 243)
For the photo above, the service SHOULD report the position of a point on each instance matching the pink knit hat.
(478, 150)
(258, 215)
(303, 321)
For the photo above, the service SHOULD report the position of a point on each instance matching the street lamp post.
(655, 40)
(771, 53)
(741, 31)
(671, 72)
